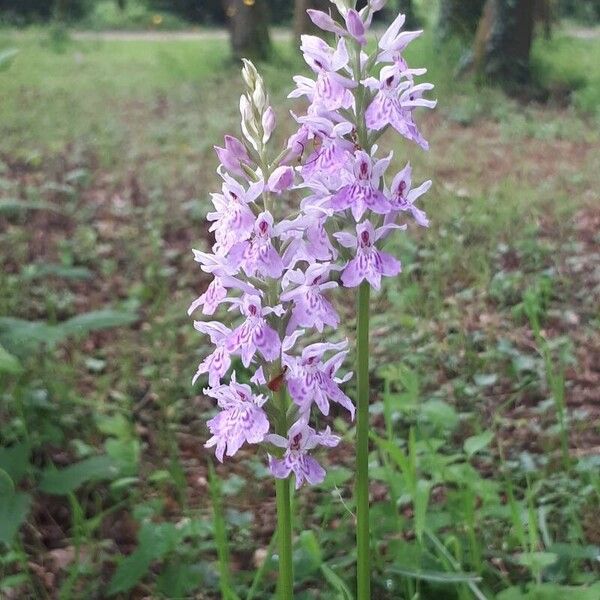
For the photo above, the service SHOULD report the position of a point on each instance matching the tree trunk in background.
(121, 4)
(544, 14)
(302, 24)
(249, 28)
(60, 10)
(459, 18)
(503, 41)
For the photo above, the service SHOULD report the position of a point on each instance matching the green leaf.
(440, 414)
(67, 480)
(7, 487)
(336, 582)
(13, 512)
(308, 541)
(336, 476)
(10, 206)
(435, 576)
(15, 460)
(6, 57)
(576, 551)
(476, 443)
(421, 502)
(8, 363)
(399, 457)
(233, 485)
(536, 561)
(97, 319)
(220, 535)
(39, 271)
(485, 380)
(125, 454)
(131, 569)
(124, 483)
(22, 337)
(13, 581)
(155, 541)
(551, 591)
(263, 568)
(159, 476)
(115, 425)
(179, 579)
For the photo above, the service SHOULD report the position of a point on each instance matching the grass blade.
(262, 570)
(220, 528)
(436, 576)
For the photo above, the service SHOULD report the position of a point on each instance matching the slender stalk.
(362, 445)
(220, 532)
(285, 587)
(284, 537)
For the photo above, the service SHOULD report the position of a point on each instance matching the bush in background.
(581, 10)
(106, 14)
(131, 13)
(23, 12)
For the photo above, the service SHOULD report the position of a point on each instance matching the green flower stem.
(362, 445)
(363, 558)
(285, 588)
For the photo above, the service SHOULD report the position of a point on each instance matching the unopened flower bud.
(249, 124)
(246, 109)
(325, 22)
(232, 154)
(259, 97)
(281, 179)
(268, 124)
(249, 73)
(356, 27)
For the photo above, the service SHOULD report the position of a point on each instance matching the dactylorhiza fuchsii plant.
(276, 260)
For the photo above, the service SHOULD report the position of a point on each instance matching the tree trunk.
(121, 4)
(60, 10)
(249, 29)
(504, 41)
(544, 14)
(459, 18)
(302, 24)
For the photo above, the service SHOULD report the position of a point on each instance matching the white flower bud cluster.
(258, 117)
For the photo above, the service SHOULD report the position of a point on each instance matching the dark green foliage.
(205, 12)
(459, 18)
(585, 11)
(195, 11)
(210, 12)
(408, 8)
(24, 11)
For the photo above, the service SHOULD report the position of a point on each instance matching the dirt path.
(584, 33)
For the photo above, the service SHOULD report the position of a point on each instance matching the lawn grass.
(116, 138)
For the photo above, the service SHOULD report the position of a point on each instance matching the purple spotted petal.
(232, 427)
